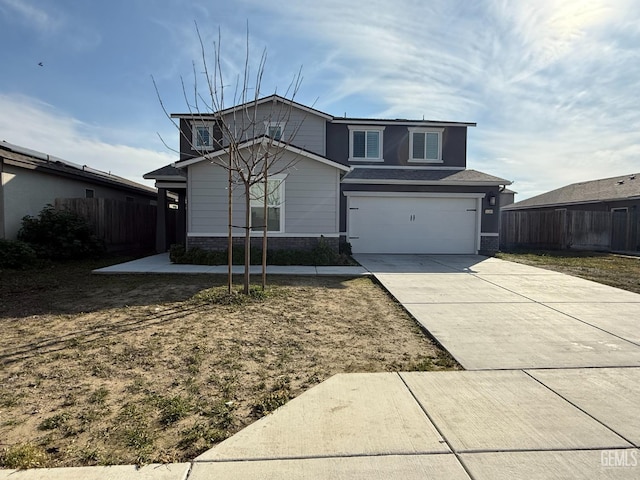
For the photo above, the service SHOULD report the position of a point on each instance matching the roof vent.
(620, 182)
(632, 177)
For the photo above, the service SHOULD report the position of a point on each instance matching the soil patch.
(99, 369)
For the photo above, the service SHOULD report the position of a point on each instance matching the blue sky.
(554, 86)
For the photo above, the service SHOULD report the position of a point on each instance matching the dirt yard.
(138, 369)
(615, 270)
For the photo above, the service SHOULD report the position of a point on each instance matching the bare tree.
(243, 145)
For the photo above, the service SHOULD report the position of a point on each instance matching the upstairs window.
(202, 136)
(365, 143)
(89, 193)
(274, 130)
(425, 144)
(275, 205)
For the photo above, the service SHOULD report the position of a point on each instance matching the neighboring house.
(617, 199)
(384, 186)
(603, 195)
(31, 180)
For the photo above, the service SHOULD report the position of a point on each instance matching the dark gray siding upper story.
(186, 140)
(396, 145)
(301, 128)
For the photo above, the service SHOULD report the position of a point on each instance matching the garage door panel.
(412, 225)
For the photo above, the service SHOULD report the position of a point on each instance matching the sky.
(553, 85)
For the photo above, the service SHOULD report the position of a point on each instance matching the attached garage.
(413, 222)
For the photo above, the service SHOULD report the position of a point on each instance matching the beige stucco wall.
(26, 192)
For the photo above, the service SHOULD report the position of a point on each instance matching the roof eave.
(82, 174)
(515, 206)
(173, 178)
(468, 183)
(426, 123)
(264, 140)
(260, 101)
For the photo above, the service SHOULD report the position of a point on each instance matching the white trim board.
(406, 167)
(413, 194)
(270, 235)
(415, 123)
(422, 182)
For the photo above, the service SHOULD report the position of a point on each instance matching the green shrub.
(60, 234)
(177, 252)
(321, 254)
(16, 254)
(344, 248)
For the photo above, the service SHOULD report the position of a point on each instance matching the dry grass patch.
(610, 269)
(138, 369)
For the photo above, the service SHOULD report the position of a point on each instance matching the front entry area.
(413, 224)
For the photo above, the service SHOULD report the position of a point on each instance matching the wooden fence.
(563, 229)
(122, 225)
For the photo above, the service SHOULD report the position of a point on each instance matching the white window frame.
(366, 128)
(268, 125)
(258, 202)
(424, 130)
(194, 135)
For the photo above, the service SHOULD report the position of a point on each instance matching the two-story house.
(384, 186)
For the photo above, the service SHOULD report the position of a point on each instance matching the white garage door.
(412, 224)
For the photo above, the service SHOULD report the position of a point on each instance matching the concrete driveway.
(493, 314)
(525, 412)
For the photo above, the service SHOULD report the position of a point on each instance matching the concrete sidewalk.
(541, 399)
(160, 264)
(491, 425)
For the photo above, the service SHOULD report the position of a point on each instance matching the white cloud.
(552, 84)
(29, 123)
(28, 13)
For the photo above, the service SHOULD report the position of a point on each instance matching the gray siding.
(396, 146)
(302, 129)
(311, 199)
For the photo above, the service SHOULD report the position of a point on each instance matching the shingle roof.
(315, 111)
(30, 159)
(166, 171)
(606, 189)
(445, 177)
(260, 101)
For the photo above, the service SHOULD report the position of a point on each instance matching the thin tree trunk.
(230, 237)
(266, 223)
(247, 237)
